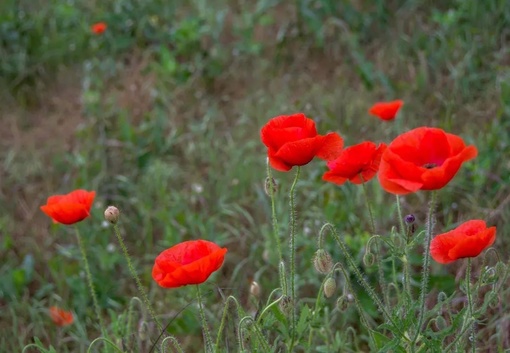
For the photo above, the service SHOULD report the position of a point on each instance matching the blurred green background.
(161, 116)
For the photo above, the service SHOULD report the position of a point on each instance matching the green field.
(161, 116)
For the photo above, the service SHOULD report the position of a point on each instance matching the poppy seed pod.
(111, 214)
(329, 287)
(322, 261)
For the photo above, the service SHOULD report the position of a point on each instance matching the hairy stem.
(90, 283)
(292, 244)
(426, 265)
(135, 276)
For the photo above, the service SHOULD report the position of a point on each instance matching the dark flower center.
(429, 165)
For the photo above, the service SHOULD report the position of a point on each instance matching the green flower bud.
(329, 287)
(322, 261)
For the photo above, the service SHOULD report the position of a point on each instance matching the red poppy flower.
(189, 262)
(71, 208)
(61, 317)
(386, 110)
(358, 163)
(467, 240)
(422, 159)
(98, 28)
(292, 140)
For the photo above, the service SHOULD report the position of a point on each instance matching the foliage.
(166, 111)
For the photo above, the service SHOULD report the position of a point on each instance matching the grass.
(161, 117)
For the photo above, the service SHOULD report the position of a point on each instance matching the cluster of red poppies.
(424, 158)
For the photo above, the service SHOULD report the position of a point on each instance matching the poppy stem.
(472, 337)
(276, 230)
(361, 279)
(292, 244)
(174, 343)
(426, 265)
(135, 276)
(90, 282)
(405, 262)
(205, 326)
(380, 270)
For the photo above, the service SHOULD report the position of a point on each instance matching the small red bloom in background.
(386, 110)
(71, 208)
(292, 140)
(189, 262)
(358, 164)
(98, 28)
(61, 317)
(422, 159)
(467, 240)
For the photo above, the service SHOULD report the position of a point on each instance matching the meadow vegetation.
(161, 116)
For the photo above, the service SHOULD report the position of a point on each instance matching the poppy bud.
(143, 330)
(343, 302)
(409, 219)
(489, 275)
(111, 214)
(255, 289)
(368, 259)
(442, 297)
(440, 323)
(329, 287)
(494, 300)
(322, 261)
(285, 304)
(270, 186)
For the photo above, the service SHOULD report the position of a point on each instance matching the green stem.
(207, 333)
(459, 336)
(292, 244)
(405, 262)
(90, 282)
(268, 307)
(361, 279)
(224, 319)
(276, 230)
(174, 342)
(135, 276)
(378, 261)
(426, 265)
(264, 345)
(470, 303)
(106, 343)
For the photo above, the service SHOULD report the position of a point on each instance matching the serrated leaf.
(303, 321)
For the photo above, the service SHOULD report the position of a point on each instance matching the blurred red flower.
(358, 164)
(71, 208)
(99, 28)
(422, 159)
(386, 110)
(61, 317)
(292, 140)
(189, 262)
(467, 240)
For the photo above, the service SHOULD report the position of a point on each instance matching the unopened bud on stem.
(111, 214)
(322, 261)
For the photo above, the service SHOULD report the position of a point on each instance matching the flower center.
(429, 165)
